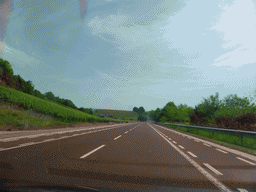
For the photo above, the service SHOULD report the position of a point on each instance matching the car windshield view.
(128, 95)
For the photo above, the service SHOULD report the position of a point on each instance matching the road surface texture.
(138, 156)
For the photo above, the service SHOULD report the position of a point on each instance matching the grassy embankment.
(234, 141)
(38, 112)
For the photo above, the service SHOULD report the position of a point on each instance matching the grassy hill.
(126, 115)
(21, 110)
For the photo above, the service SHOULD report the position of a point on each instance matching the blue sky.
(134, 53)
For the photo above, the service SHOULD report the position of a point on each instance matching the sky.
(120, 54)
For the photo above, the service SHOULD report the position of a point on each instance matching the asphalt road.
(135, 156)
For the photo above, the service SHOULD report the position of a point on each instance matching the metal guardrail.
(240, 133)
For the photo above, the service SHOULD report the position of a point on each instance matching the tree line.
(141, 112)
(8, 79)
(212, 107)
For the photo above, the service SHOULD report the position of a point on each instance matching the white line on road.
(245, 161)
(216, 144)
(192, 154)
(215, 181)
(242, 190)
(214, 170)
(92, 151)
(118, 137)
(126, 132)
(52, 133)
(49, 140)
(25, 144)
(15, 147)
(174, 142)
(221, 151)
(181, 147)
(207, 145)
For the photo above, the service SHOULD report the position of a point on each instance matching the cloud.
(16, 56)
(237, 26)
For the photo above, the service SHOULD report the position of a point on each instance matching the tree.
(29, 87)
(49, 95)
(135, 109)
(6, 66)
(141, 110)
(142, 117)
(234, 100)
(69, 103)
(157, 115)
(7, 79)
(209, 106)
(19, 83)
(170, 104)
(39, 94)
(86, 110)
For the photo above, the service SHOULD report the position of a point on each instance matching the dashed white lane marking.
(214, 170)
(126, 132)
(25, 144)
(49, 140)
(215, 181)
(181, 147)
(245, 161)
(234, 151)
(192, 154)
(174, 142)
(207, 145)
(221, 150)
(52, 133)
(118, 137)
(15, 147)
(242, 190)
(92, 151)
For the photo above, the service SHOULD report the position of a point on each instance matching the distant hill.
(126, 115)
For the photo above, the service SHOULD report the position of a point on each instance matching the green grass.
(11, 117)
(249, 144)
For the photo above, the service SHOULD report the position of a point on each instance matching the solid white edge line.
(25, 144)
(245, 161)
(92, 152)
(234, 151)
(213, 169)
(207, 145)
(216, 182)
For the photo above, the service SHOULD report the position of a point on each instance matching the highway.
(128, 157)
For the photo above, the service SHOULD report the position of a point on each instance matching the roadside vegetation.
(231, 106)
(124, 115)
(246, 144)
